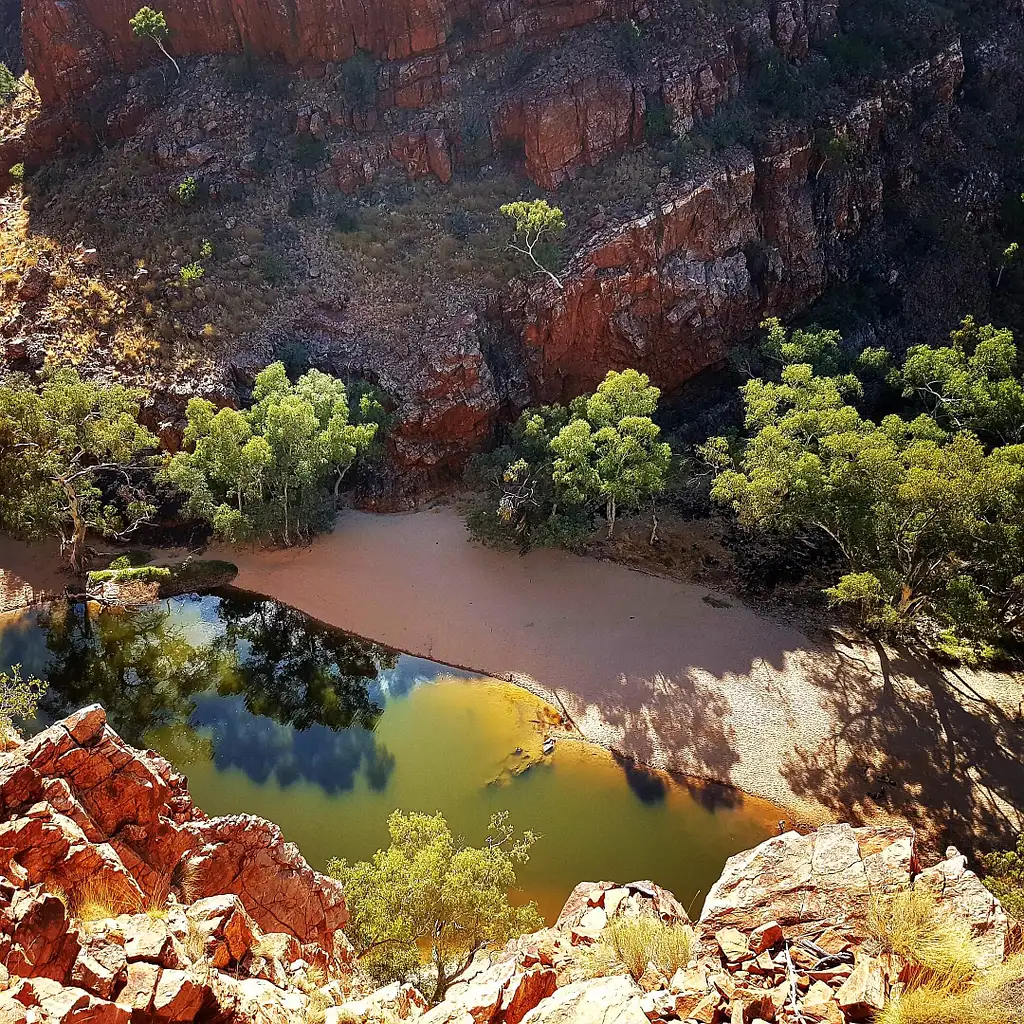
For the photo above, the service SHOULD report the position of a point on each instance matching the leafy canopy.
(535, 226)
(270, 471)
(426, 891)
(149, 24)
(19, 699)
(560, 465)
(67, 456)
(925, 515)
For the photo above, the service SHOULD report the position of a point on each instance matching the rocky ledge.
(120, 900)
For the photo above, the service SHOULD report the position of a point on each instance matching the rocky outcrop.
(70, 44)
(670, 292)
(120, 900)
(83, 810)
(782, 937)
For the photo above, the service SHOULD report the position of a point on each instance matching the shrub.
(274, 267)
(995, 1000)
(187, 191)
(657, 121)
(130, 574)
(301, 203)
(19, 699)
(308, 151)
(939, 949)
(638, 941)
(1004, 875)
(8, 84)
(190, 273)
(17, 172)
(206, 249)
(629, 46)
(359, 79)
(346, 218)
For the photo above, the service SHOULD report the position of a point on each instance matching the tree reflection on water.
(249, 684)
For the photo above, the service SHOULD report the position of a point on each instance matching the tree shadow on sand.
(681, 722)
(921, 743)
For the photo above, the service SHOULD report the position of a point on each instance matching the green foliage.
(535, 225)
(17, 172)
(191, 273)
(561, 464)
(66, 452)
(359, 80)
(206, 249)
(187, 191)
(272, 471)
(130, 574)
(149, 24)
(19, 700)
(274, 267)
(1004, 875)
(8, 84)
(926, 515)
(971, 384)
(426, 891)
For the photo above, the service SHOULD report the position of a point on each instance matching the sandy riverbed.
(675, 675)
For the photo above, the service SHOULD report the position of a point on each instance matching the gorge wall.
(462, 92)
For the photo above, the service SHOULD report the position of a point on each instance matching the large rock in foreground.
(82, 807)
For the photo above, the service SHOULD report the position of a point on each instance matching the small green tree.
(425, 891)
(19, 699)
(150, 24)
(66, 456)
(1010, 255)
(609, 451)
(561, 464)
(270, 470)
(535, 226)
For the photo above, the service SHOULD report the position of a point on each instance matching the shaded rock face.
(670, 292)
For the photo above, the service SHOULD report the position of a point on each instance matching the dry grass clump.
(631, 943)
(997, 999)
(102, 898)
(938, 948)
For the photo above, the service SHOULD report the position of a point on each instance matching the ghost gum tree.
(926, 508)
(151, 24)
(562, 464)
(71, 454)
(271, 471)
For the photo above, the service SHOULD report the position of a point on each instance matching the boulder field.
(120, 900)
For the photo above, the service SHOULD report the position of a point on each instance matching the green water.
(271, 713)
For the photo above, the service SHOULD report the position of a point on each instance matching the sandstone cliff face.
(668, 293)
(69, 45)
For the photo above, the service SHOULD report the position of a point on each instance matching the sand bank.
(672, 674)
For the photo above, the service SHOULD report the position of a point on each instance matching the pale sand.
(649, 667)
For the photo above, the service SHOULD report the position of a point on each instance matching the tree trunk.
(286, 539)
(75, 544)
(163, 50)
(610, 511)
(654, 527)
